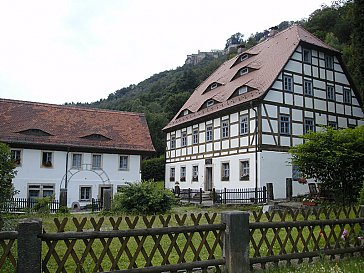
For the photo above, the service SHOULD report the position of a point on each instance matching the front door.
(101, 192)
(208, 179)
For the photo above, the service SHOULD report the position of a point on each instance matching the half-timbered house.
(236, 128)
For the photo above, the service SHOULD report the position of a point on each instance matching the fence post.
(63, 198)
(200, 195)
(264, 194)
(236, 241)
(29, 246)
(289, 192)
(189, 195)
(224, 195)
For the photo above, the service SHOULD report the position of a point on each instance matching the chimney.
(273, 31)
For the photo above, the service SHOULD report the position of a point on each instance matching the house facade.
(84, 151)
(237, 127)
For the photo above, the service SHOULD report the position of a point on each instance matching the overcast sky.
(82, 50)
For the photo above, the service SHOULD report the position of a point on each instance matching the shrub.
(361, 197)
(143, 198)
(42, 204)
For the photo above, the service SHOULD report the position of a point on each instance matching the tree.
(335, 158)
(153, 168)
(7, 173)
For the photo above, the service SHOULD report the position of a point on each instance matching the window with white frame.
(244, 57)
(285, 124)
(309, 125)
(288, 83)
(47, 159)
(242, 90)
(16, 156)
(195, 136)
(85, 193)
(209, 133)
(225, 129)
(96, 161)
(172, 174)
(184, 139)
(76, 161)
(244, 125)
(40, 190)
(213, 85)
(183, 174)
(225, 171)
(347, 95)
(306, 55)
(244, 71)
(195, 173)
(307, 87)
(210, 103)
(173, 142)
(329, 62)
(244, 170)
(123, 162)
(185, 112)
(330, 92)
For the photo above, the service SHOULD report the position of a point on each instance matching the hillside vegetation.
(341, 25)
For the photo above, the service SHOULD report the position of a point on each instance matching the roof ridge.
(91, 109)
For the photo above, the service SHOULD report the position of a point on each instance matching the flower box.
(309, 203)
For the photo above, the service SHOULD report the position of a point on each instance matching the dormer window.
(244, 57)
(34, 132)
(213, 86)
(242, 90)
(185, 112)
(210, 103)
(96, 137)
(243, 71)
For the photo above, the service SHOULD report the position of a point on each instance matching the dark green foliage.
(153, 168)
(7, 173)
(335, 158)
(144, 198)
(361, 197)
(42, 204)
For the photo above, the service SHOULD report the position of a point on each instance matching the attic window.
(97, 137)
(243, 71)
(244, 57)
(209, 103)
(242, 90)
(185, 112)
(34, 132)
(213, 86)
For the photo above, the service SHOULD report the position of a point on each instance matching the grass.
(349, 265)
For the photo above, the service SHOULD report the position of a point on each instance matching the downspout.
(66, 178)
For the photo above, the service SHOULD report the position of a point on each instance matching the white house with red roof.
(235, 130)
(79, 149)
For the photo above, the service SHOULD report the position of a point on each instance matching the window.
(85, 193)
(47, 159)
(244, 57)
(209, 103)
(184, 139)
(308, 125)
(244, 170)
(195, 136)
(183, 174)
(243, 71)
(16, 156)
(330, 92)
(96, 161)
(173, 142)
(172, 174)
(209, 133)
(225, 171)
(124, 162)
(285, 125)
(306, 56)
(76, 161)
(194, 173)
(185, 112)
(213, 86)
(287, 83)
(307, 86)
(244, 125)
(329, 62)
(332, 124)
(225, 129)
(347, 95)
(40, 190)
(296, 174)
(242, 90)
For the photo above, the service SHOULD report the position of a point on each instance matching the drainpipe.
(66, 178)
(256, 153)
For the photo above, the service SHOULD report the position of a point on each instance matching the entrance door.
(101, 192)
(208, 179)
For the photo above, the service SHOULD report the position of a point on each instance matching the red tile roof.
(266, 61)
(68, 126)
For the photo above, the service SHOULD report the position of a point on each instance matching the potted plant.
(310, 202)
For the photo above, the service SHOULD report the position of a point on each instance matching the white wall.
(31, 171)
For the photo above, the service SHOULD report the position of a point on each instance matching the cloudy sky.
(82, 50)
